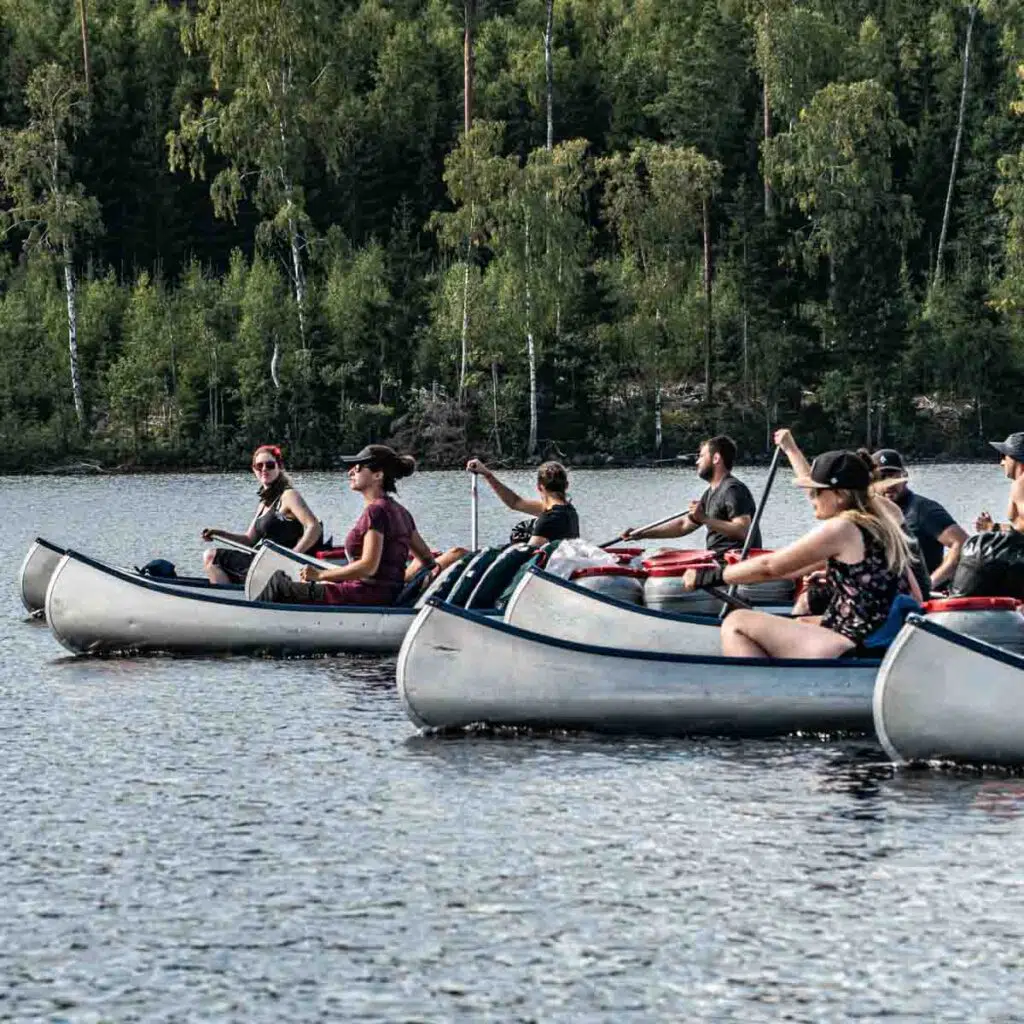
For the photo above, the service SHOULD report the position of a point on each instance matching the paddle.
(755, 522)
(237, 545)
(638, 534)
(474, 513)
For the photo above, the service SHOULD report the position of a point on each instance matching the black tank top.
(273, 525)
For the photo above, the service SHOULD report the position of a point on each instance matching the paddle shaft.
(474, 512)
(756, 521)
(638, 534)
(229, 543)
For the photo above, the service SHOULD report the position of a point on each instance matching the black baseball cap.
(1013, 446)
(372, 455)
(839, 469)
(888, 460)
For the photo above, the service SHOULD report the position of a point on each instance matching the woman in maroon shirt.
(377, 546)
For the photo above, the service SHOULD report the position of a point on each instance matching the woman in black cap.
(867, 564)
(377, 546)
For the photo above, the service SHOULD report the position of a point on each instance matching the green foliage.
(302, 245)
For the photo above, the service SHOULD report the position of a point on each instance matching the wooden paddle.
(756, 521)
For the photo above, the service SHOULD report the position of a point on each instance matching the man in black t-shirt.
(726, 509)
(939, 537)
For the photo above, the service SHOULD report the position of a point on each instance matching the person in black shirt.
(939, 537)
(556, 517)
(726, 509)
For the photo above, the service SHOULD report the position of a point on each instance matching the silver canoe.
(42, 559)
(457, 668)
(94, 608)
(943, 696)
(34, 577)
(547, 604)
(270, 558)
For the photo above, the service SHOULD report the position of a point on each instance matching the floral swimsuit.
(862, 592)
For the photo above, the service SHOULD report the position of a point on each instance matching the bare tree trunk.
(76, 380)
(956, 149)
(549, 72)
(766, 114)
(86, 68)
(298, 272)
(465, 328)
(531, 348)
(706, 211)
(494, 404)
(658, 437)
(275, 364)
(469, 11)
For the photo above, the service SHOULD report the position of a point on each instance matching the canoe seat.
(468, 580)
(444, 581)
(538, 560)
(494, 579)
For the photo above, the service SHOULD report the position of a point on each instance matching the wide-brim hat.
(838, 470)
(1013, 446)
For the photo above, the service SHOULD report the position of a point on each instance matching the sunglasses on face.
(260, 466)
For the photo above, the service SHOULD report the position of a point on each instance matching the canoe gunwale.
(658, 656)
(970, 643)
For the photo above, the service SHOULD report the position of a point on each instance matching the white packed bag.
(571, 555)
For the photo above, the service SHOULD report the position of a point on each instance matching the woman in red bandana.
(282, 516)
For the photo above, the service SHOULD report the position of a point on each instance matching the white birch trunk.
(956, 150)
(531, 348)
(76, 380)
(657, 419)
(549, 72)
(298, 273)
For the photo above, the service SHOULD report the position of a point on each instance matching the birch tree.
(41, 198)
(275, 104)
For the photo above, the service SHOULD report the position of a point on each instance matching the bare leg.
(214, 573)
(749, 634)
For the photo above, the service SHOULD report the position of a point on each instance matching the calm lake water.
(257, 840)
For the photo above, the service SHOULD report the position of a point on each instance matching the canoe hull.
(37, 568)
(457, 668)
(943, 696)
(96, 609)
(554, 607)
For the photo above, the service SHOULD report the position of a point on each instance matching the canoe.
(563, 609)
(270, 558)
(457, 668)
(944, 696)
(42, 559)
(34, 576)
(94, 608)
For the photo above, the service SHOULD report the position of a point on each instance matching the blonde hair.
(873, 514)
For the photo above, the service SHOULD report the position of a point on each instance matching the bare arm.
(837, 538)
(422, 555)
(248, 538)
(292, 501)
(785, 440)
(365, 566)
(1015, 513)
(681, 526)
(734, 529)
(952, 539)
(506, 495)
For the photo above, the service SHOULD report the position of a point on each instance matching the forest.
(592, 229)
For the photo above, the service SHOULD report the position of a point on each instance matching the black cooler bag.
(991, 565)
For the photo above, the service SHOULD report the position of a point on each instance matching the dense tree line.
(507, 226)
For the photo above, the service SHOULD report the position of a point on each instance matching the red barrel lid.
(665, 572)
(331, 553)
(681, 560)
(625, 552)
(971, 604)
(608, 570)
(733, 556)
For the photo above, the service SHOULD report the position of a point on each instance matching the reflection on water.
(239, 839)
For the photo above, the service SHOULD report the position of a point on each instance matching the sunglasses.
(260, 466)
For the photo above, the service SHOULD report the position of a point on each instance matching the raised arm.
(505, 494)
(785, 440)
(292, 501)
